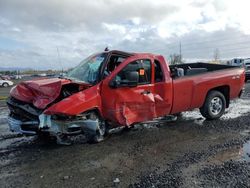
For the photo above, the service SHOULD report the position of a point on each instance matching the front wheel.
(5, 84)
(101, 131)
(214, 106)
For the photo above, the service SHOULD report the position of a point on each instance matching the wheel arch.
(225, 90)
(95, 110)
(5, 83)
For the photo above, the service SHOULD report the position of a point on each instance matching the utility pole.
(180, 52)
(59, 59)
(216, 55)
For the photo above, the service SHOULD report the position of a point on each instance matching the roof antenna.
(106, 49)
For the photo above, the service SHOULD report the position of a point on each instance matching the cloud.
(78, 28)
(69, 15)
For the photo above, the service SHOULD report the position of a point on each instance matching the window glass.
(113, 63)
(143, 67)
(158, 71)
(88, 70)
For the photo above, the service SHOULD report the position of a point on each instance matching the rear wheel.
(101, 131)
(214, 106)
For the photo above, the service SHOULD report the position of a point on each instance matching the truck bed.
(189, 69)
(197, 79)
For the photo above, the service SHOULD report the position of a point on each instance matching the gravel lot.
(190, 152)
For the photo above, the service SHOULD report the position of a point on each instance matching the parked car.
(5, 77)
(246, 65)
(118, 89)
(16, 77)
(5, 83)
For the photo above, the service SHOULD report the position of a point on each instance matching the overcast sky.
(31, 31)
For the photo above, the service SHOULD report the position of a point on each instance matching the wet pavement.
(190, 152)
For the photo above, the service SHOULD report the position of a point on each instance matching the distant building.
(236, 62)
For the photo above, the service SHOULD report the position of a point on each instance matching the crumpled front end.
(70, 125)
(40, 93)
(64, 113)
(23, 117)
(26, 119)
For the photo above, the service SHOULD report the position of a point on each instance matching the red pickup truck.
(113, 89)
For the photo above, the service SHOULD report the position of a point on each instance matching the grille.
(23, 111)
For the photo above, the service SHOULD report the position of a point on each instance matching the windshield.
(88, 70)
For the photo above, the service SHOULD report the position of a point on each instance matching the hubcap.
(215, 105)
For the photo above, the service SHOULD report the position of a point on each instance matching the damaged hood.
(39, 92)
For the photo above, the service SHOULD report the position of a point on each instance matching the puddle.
(236, 154)
(230, 154)
(246, 151)
(3, 114)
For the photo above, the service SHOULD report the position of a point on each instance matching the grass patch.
(3, 98)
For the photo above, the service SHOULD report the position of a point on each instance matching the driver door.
(124, 104)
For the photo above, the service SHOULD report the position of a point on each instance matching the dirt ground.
(190, 152)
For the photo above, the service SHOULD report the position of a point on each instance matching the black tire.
(214, 106)
(5, 84)
(101, 133)
(45, 137)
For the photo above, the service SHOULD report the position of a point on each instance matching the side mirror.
(114, 83)
(132, 79)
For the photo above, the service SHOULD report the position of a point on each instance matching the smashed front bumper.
(67, 127)
(23, 117)
(23, 127)
(53, 127)
(26, 119)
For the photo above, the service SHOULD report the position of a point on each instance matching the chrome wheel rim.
(215, 105)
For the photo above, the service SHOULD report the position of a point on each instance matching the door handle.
(145, 92)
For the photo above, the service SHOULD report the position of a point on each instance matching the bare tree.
(175, 59)
(216, 55)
